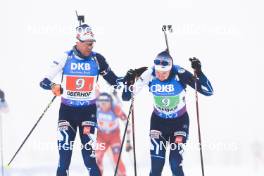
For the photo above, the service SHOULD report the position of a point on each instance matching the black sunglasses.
(161, 62)
(87, 43)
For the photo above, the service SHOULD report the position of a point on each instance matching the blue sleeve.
(203, 84)
(46, 84)
(106, 71)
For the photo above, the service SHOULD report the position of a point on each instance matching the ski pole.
(198, 124)
(131, 111)
(166, 28)
(123, 139)
(35, 125)
(128, 130)
(133, 137)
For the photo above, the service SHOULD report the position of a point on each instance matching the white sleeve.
(56, 67)
(143, 81)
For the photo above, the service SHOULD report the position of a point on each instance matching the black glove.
(196, 65)
(129, 78)
(2, 96)
(140, 70)
(131, 75)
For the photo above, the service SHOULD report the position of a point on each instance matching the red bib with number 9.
(82, 84)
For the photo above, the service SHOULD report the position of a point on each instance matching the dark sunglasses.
(161, 62)
(87, 43)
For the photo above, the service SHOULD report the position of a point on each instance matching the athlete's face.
(85, 47)
(105, 106)
(162, 75)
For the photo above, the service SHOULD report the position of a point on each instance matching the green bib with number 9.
(168, 102)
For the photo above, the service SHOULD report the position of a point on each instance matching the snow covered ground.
(227, 36)
(216, 171)
(77, 169)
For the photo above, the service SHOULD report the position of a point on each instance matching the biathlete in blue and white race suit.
(80, 68)
(169, 121)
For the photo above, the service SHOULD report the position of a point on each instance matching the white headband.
(163, 68)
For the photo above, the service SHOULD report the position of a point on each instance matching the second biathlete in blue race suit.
(169, 119)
